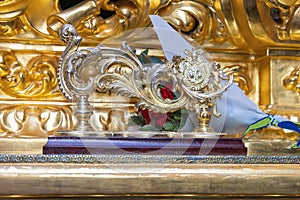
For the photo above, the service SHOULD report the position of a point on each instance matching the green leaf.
(177, 127)
(149, 127)
(177, 117)
(156, 60)
(144, 58)
(169, 126)
(136, 120)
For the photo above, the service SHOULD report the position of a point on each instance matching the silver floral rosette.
(197, 85)
(196, 82)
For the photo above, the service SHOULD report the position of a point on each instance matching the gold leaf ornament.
(292, 80)
(36, 80)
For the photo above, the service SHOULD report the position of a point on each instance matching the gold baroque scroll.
(32, 120)
(36, 80)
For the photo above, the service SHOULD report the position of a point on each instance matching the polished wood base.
(134, 145)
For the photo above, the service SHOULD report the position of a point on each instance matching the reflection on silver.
(196, 81)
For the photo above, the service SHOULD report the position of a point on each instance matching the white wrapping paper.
(237, 110)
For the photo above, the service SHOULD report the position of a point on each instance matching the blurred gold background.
(255, 40)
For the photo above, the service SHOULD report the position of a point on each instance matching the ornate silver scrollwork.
(197, 81)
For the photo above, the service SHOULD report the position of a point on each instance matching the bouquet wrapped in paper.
(238, 112)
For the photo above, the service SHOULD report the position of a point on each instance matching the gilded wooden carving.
(252, 38)
(292, 81)
(36, 80)
(257, 41)
(33, 120)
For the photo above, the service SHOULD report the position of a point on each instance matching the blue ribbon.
(271, 120)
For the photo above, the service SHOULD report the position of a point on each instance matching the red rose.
(166, 91)
(158, 117)
(160, 121)
(145, 114)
